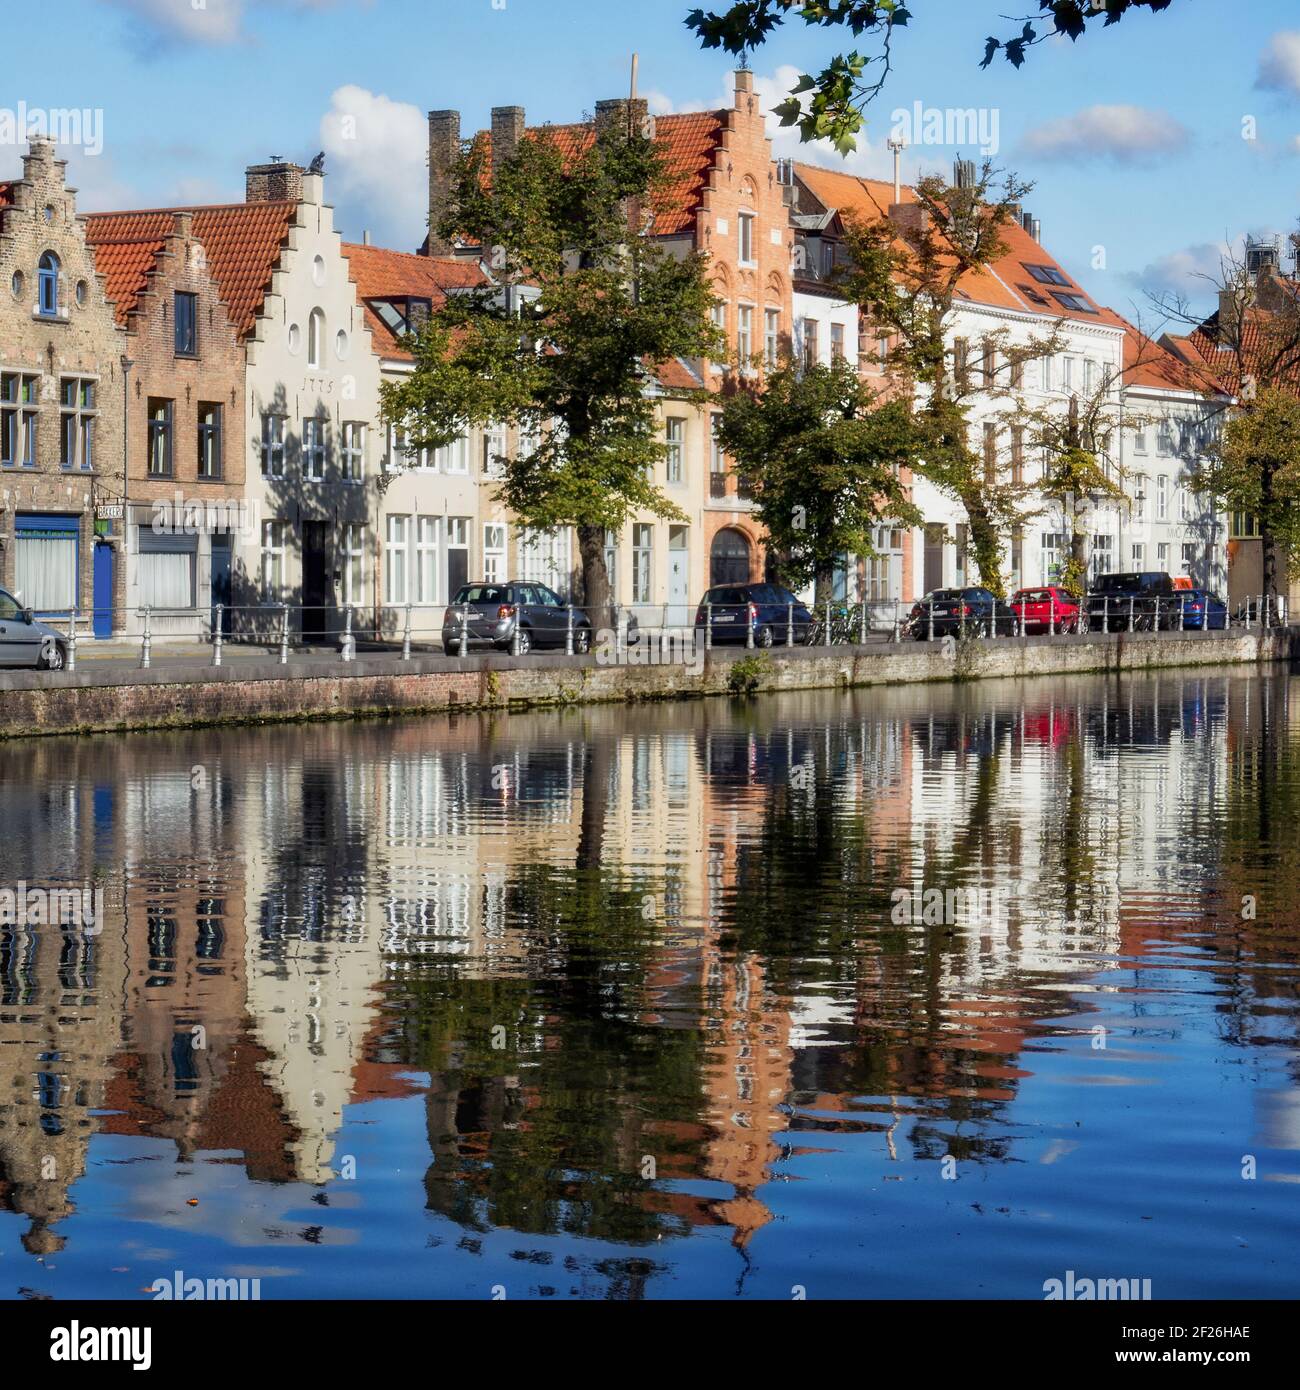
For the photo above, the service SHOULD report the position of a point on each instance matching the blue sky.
(1134, 137)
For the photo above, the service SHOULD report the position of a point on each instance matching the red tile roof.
(688, 142)
(382, 274)
(126, 267)
(243, 242)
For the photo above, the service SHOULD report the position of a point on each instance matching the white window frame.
(397, 546)
(273, 557)
(353, 545)
(314, 449)
(352, 451)
(746, 226)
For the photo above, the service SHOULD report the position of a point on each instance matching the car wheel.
(51, 657)
(582, 640)
(525, 642)
(450, 651)
(766, 637)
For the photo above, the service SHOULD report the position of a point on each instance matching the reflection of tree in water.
(548, 1132)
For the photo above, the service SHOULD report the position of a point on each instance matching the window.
(402, 454)
(811, 342)
(1074, 302)
(160, 438)
(1103, 555)
(989, 363)
(77, 423)
(185, 317)
(1138, 555)
(1162, 555)
(642, 562)
(545, 557)
(1053, 547)
(1045, 274)
(453, 457)
(352, 451)
(209, 440)
(1067, 378)
(1184, 503)
(396, 556)
(717, 460)
(426, 559)
(1089, 375)
(1165, 439)
(1018, 374)
(1140, 441)
(494, 552)
(1017, 455)
(354, 566)
(313, 450)
(611, 563)
(1244, 527)
(1139, 498)
(1162, 498)
(837, 342)
(744, 335)
(990, 453)
(273, 559)
(1047, 373)
(961, 362)
(772, 337)
(48, 285)
(745, 227)
(18, 417)
(494, 452)
(272, 445)
(316, 338)
(676, 450)
(1189, 556)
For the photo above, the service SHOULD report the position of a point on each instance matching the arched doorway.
(729, 558)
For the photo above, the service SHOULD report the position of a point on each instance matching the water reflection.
(618, 1003)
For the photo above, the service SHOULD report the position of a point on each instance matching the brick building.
(186, 451)
(60, 397)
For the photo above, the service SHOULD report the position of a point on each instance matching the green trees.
(831, 104)
(820, 453)
(564, 344)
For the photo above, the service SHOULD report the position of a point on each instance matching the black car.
(973, 612)
(1147, 600)
(494, 610)
(763, 609)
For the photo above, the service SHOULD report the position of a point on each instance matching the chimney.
(909, 218)
(444, 151)
(964, 174)
(276, 182)
(507, 132)
(365, 237)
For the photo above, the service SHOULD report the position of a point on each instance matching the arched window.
(49, 284)
(316, 339)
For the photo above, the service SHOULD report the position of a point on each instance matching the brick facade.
(74, 347)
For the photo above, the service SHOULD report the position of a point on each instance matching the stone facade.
(61, 384)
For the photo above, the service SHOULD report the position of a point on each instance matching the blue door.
(103, 589)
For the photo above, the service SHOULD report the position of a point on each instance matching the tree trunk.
(596, 597)
(824, 590)
(986, 546)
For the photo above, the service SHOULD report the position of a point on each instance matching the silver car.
(26, 642)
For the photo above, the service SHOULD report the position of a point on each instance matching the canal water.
(895, 993)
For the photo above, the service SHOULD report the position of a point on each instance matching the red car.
(1038, 610)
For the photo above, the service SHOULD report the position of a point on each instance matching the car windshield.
(483, 593)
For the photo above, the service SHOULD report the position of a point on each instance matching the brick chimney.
(507, 132)
(909, 218)
(278, 181)
(625, 114)
(444, 151)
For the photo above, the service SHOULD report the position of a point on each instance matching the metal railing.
(642, 632)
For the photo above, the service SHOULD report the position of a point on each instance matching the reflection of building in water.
(313, 963)
(61, 1003)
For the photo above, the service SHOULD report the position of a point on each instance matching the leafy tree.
(1244, 357)
(1255, 468)
(905, 276)
(584, 304)
(820, 454)
(831, 104)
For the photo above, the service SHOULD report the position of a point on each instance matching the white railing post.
(464, 632)
(862, 626)
(218, 634)
(1132, 601)
(348, 646)
(931, 634)
(146, 643)
(828, 623)
(568, 633)
(284, 634)
(406, 636)
(72, 641)
(749, 627)
(1105, 614)
(1182, 613)
(708, 627)
(789, 624)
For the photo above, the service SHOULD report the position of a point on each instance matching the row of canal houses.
(190, 399)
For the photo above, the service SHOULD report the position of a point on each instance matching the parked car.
(1044, 610)
(495, 609)
(26, 642)
(974, 612)
(1203, 610)
(1148, 598)
(763, 609)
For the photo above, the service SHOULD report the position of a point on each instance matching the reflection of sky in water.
(611, 1002)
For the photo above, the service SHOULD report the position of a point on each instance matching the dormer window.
(1046, 274)
(403, 316)
(48, 279)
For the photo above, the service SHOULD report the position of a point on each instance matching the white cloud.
(1183, 272)
(1279, 64)
(197, 21)
(1126, 134)
(377, 165)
